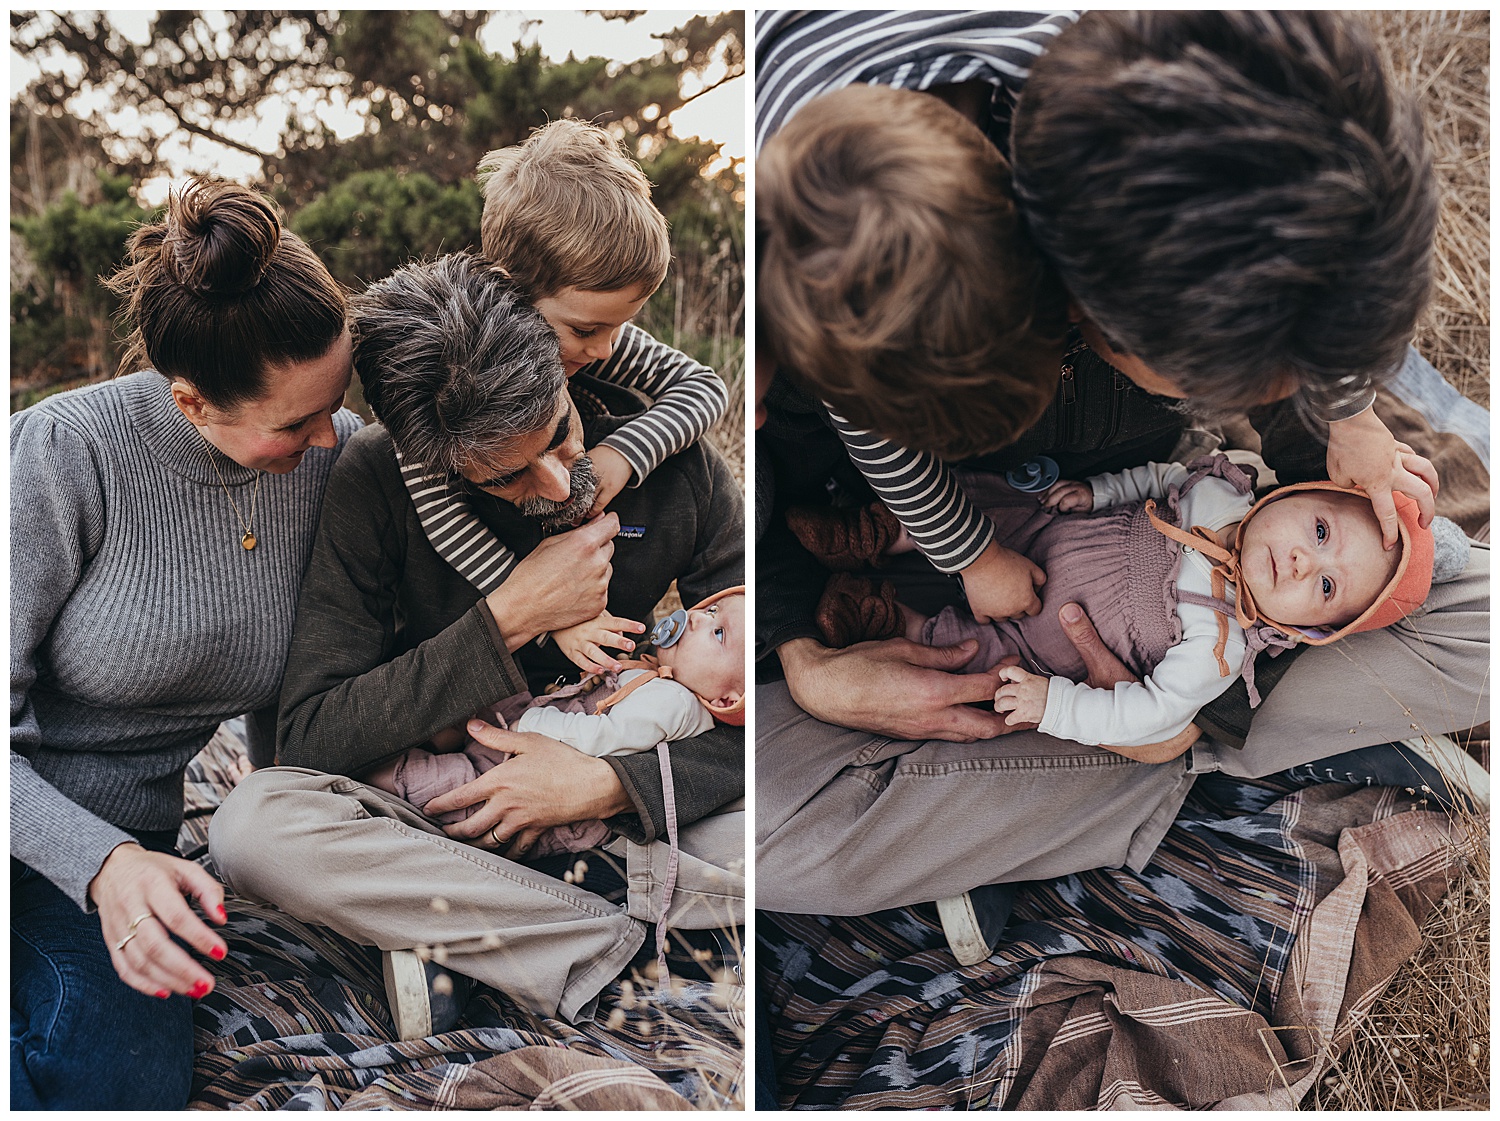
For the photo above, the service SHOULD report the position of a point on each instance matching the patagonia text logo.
(632, 531)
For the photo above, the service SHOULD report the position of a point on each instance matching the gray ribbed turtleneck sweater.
(138, 621)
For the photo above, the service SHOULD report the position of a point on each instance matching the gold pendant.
(248, 540)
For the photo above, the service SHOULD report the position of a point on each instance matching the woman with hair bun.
(160, 524)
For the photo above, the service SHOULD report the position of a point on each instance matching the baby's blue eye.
(1322, 532)
(1327, 588)
(719, 633)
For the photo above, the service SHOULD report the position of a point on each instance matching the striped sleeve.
(800, 55)
(454, 530)
(923, 494)
(688, 398)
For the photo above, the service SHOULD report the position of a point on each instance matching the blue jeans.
(80, 1038)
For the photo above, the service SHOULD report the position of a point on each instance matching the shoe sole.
(406, 991)
(961, 927)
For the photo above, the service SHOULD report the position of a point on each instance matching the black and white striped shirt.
(688, 398)
(801, 55)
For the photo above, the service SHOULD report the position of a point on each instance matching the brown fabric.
(1137, 1041)
(552, 1078)
(1228, 974)
(854, 609)
(845, 540)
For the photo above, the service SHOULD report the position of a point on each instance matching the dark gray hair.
(454, 361)
(1233, 196)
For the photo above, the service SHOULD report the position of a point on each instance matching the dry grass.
(1425, 1044)
(1445, 58)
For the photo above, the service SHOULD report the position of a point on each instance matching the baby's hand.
(1001, 584)
(1022, 694)
(613, 472)
(583, 643)
(1069, 497)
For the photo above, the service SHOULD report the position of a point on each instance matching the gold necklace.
(248, 540)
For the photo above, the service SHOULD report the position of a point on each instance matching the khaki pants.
(331, 850)
(848, 823)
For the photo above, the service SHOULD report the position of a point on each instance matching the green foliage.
(375, 221)
(74, 243)
(401, 188)
(60, 320)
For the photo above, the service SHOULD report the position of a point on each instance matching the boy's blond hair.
(894, 277)
(569, 208)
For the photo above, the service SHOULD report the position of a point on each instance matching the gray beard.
(554, 516)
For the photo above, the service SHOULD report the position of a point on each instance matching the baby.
(1183, 595)
(697, 676)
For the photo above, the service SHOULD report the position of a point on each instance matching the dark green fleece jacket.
(392, 645)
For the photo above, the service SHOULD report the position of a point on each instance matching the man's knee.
(260, 828)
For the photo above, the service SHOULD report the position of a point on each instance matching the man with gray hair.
(394, 643)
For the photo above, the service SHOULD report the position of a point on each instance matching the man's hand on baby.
(613, 472)
(544, 783)
(1023, 695)
(894, 687)
(1363, 453)
(1001, 584)
(584, 643)
(1068, 496)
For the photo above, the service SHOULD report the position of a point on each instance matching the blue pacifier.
(670, 629)
(1034, 475)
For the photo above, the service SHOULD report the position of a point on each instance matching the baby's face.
(1315, 558)
(709, 658)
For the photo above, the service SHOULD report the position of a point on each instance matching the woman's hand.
(140, 899)
(583, 642)
(1363, 453)
(613, 471)
(544, 783)
(563, 581)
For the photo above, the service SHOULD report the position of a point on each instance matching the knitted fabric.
(1114, 563)
(138, 621)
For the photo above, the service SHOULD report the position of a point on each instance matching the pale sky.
(719, 116)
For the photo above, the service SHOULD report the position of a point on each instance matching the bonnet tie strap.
(645, 662)
(669, 880)
(1224, 570)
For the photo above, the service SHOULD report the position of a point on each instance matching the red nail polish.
(199, 990)
(222, 914)
(162, 994)
(217, 953)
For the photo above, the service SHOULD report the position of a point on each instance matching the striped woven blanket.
(1229, 972)
(298, 1020)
